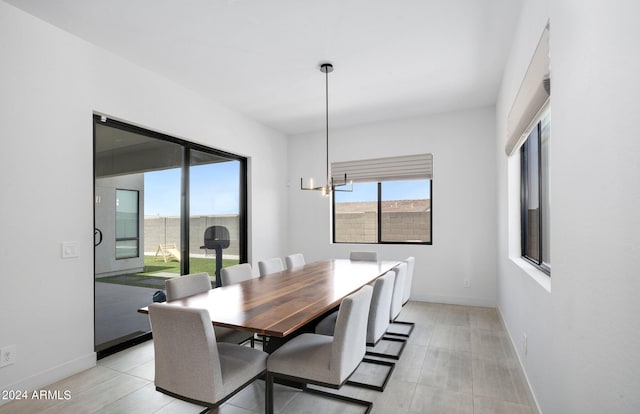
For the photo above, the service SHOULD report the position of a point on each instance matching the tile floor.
(458, 360)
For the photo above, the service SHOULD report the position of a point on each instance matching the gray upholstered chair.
(270, 266)
(396, 300)
(324, 360)
(379, 316)
(377, 324)
(235, 274)
(187, 285)
(398, 290)
(191, 365)
(364, 256)
(294, 260)
(408, 281)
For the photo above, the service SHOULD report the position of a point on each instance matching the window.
(355, 214)
(390, 201)
(528, 133)
(535, 208)
(214, 200)
(405, 211)
(127, 224)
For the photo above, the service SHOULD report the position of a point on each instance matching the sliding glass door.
(156, 198)
(215, 212)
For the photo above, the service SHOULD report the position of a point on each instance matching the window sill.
(536, 274)
(389, 242)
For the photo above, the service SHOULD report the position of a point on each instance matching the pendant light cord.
(326, 74)
(328, 187)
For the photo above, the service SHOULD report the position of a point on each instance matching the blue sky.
(215, 190)
(396, 190)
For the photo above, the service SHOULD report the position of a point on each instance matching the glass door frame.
(187, 147)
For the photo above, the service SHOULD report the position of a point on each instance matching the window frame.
(524, 197)
(379, 218)
(135, 238)
(187, 146)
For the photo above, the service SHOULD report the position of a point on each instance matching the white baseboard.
(515, 348)
(51, 375)
(452, 300)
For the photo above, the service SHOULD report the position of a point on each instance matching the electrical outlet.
(467, 282)
(7, 355)
(524, 343)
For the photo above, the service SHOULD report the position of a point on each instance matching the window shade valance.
(531, 98)
(409, 167)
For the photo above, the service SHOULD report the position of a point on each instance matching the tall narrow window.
(535, 195)
(545, 185)
(528, 133)
(127, 224)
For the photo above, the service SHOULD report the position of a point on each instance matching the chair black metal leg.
(402, 323)
(303, 385)
(391, 356)
(268, 393)
(367, 404)
(379, 388)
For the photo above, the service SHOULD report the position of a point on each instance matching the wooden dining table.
(281, 303)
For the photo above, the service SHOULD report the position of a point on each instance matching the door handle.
(98, 233)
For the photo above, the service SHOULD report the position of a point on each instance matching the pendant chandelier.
(331, 185)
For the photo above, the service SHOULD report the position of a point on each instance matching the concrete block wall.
(166, 231)
(406, 226)
(396, 226)
(356, 227)
(353, 227)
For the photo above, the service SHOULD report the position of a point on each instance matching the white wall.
(50, 84)
(464, 218)
(582, 328)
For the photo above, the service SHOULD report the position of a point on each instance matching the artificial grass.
(196, 265)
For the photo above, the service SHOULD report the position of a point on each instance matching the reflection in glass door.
(123, 277)
(127, 224)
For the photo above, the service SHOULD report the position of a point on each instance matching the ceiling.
(393, 58)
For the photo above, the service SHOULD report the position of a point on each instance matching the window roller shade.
(410, 167)
(531, 98)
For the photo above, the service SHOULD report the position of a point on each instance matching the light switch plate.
(69, 250)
